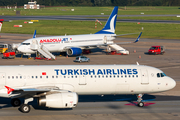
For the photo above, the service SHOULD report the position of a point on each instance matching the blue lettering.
(63, 73)
(91, 71)
(76, 72)
(57, 71)
(99, 72)
(114, 72)
(80, 71)
(70, 72)
(123, 71)
(104, 70)
(118, 71)
(129, 71)
(108, 71)
(135, 71)
(85, 72)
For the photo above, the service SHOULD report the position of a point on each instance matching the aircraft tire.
(15, 102)
(25, 108)
(141, 104)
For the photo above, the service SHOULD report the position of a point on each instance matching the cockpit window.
(25, 43)
(158, 75)
(161, 75)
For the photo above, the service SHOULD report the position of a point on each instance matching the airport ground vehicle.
(81, 59)
(9, 55)
(3, 48)
(156, 50)
(8, 47)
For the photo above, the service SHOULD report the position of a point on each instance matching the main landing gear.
(15, 102)
(140, 103)
(24, 108)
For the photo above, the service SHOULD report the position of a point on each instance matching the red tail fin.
(9, 90)
(1, 22)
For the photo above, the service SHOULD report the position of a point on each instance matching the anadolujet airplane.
(74, 44)
(58, 86)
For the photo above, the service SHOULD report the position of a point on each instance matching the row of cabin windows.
(118, 76)
(92, 76)
(20, 77)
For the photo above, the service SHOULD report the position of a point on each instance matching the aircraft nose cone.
(173, 83)
(19, 49)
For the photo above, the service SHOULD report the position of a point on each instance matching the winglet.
(138, 38)
(9, 90)
(34, 36)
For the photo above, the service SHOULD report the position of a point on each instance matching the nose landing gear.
(140, 103)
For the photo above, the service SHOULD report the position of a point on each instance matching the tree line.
(93, 2)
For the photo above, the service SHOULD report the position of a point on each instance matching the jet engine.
(74, 51)
(59, 100)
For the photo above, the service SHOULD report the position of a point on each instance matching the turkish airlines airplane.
(74, 44)
(58, 86)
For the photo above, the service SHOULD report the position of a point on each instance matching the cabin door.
(2, 80)
(144, 76)
(82, 80)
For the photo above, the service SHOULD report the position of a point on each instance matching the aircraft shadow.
(98, 98)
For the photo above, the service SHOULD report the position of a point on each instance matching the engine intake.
(74, 51)
(59, 100)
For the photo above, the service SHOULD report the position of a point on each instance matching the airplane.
(58, 86)
(74, 44)
(1, 22)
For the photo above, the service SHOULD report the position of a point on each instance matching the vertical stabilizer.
(34, 35)
(109, 28)
(1, 22)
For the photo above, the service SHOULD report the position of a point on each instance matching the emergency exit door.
(2, 80)
(144, 76)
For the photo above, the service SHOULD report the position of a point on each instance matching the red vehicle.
(156, 50)
(86, 51)
(114, 52)
(9, 55)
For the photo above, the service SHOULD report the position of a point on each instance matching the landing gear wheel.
(25, 108)
(141, 104)
(15, 102)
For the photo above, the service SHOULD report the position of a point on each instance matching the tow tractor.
(9, 55)
(156, 50)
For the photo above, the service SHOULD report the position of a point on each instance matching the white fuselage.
(62, 43)
(87, 79)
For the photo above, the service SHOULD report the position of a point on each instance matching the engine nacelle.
(59, 100)
(74, 51)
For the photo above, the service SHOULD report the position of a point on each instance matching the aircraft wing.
(125, 34)
(34, 92)
(131, 42)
